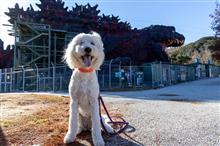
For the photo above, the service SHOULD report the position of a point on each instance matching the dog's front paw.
(98, 142)
(79, 130)
(109, 128)
(68, 138)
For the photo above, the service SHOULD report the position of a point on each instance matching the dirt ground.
(32, 119)
(156, 117)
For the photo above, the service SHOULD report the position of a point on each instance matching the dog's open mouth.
(87, 60)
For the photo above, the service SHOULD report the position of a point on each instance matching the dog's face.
(85, 51)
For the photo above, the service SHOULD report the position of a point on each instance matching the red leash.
(118, 126)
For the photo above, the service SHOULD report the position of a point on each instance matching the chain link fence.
(111, 76)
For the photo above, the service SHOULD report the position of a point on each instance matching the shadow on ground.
(118, 140)
(85, 139)
(3, 140)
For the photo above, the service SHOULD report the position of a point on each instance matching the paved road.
(184, 114)
(201, 90)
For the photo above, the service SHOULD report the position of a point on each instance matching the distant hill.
(204, 48)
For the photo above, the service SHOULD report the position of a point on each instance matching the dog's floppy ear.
(98, 62)
(69, 55)
(98, 38)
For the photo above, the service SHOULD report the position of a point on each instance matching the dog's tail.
(107, 126)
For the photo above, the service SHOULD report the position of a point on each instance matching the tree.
(216, 20)
(216, 27)
(183, 59)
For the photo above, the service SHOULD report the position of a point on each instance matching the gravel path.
(182, 119)
(173, 123)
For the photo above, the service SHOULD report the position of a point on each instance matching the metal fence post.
(130, 71)
(37, 80)
(11, 80)
(44, 84)
(23, 78)
(54, 74)
(120, 76)
(169, 72)
(161, 74)
(152, 74)
(61, 82)
(110, 78)
(5, 88)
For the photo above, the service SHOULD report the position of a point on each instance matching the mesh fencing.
(110, 77)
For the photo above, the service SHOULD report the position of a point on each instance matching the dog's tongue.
(87, 60)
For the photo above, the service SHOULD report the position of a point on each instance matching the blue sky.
(190, 17)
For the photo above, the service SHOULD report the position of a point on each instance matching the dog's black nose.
(88, 50)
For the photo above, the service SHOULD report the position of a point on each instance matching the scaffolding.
(39, 44)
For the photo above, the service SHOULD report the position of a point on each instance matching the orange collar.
(86, 70)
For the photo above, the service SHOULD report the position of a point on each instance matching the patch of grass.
(48, 98)
(46, 125)
(6, 123)
(37, 119)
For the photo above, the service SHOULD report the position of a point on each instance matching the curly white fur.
(84, 88)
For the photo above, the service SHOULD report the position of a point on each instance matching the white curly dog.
(85, 54)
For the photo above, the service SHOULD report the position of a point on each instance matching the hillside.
(204, 48)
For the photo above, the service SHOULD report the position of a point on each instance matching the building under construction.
(39, 44)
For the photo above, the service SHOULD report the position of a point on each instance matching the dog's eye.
(92, 43)
(81, 43)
